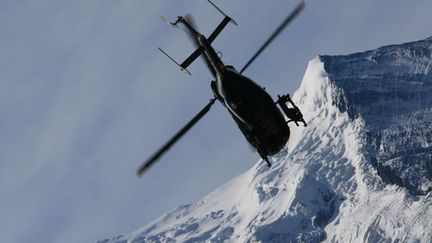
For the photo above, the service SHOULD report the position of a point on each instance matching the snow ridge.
(360, 171)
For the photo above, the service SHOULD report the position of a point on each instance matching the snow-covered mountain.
(360, 172)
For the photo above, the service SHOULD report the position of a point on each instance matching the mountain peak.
(390, 89)
(360, 172)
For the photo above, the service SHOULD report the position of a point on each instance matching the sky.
(85, 97)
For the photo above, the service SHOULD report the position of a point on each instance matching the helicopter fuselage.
(254, 111)
(251, 107)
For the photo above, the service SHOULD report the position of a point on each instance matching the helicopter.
(252, 108)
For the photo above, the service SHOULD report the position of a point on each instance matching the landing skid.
(265, 158)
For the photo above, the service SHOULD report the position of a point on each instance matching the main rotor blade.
(288, 20)
(146, 165)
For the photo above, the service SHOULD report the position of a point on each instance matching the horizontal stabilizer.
(210, 39)
(218, 29)
(191, 58)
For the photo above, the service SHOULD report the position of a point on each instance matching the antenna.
(172, 59)
(222, 12)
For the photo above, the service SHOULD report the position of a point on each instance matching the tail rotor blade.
(165, 20)
(147, 164)
(281, 27)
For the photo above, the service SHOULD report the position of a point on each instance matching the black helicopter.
(251, 107)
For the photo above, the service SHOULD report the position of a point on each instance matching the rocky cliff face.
(391, 89)
(360, 172)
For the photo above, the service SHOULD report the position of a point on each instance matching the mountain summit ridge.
(391, 90)
(360, 172)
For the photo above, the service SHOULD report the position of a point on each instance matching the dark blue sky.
(85, 97)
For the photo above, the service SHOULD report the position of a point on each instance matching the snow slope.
(360, 172)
